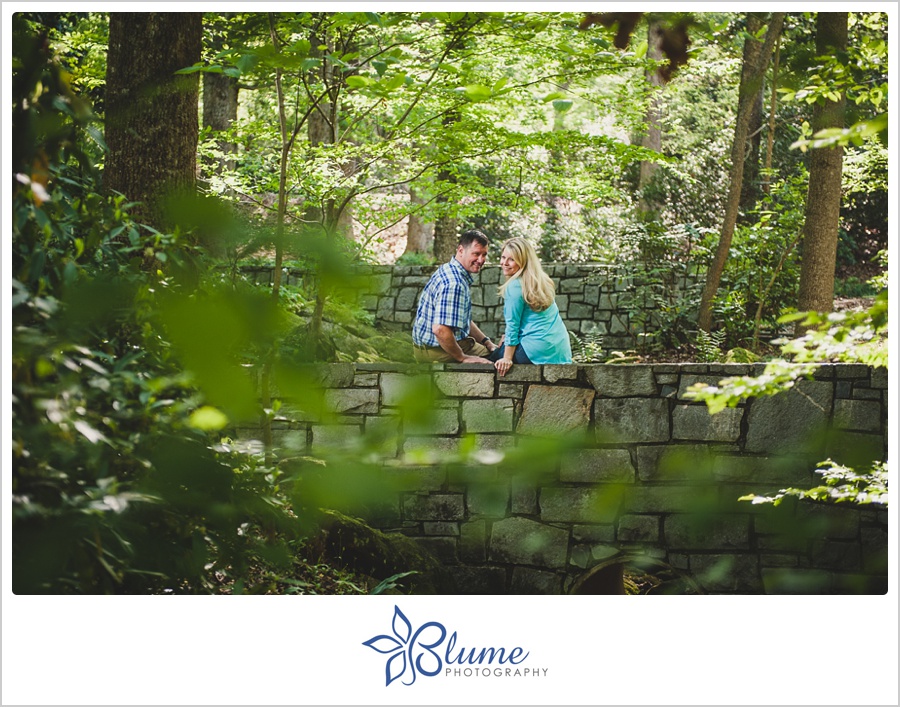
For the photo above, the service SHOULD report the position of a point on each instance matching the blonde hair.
(538, 288)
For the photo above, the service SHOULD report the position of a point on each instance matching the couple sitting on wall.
(443, 330)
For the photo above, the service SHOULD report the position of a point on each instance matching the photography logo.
(429, 651)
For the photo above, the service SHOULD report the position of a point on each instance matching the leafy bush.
(663, 266)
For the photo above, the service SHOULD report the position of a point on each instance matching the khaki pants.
(435, 354)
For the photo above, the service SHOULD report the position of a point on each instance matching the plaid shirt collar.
(460, 271)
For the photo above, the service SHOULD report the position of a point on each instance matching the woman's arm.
(513, 311)
(504, 364)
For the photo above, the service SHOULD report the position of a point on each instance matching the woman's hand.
(503, 365)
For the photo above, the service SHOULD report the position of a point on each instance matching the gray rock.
(555, 410)
(365, 380)
(480, 580)
(487, 415)
(473, 542)
(440, 528)
(693, 422)
(782, 470)
(597, 465)
(525, 542)
(643, 498)
(580, 505)
(689, 379)
(690, 531)
(488, 499)
(328, 437)
(399, 388)
(861, 415)
(558, 372)
(465, 385)
(622, 381)
(638, 528)
(624, 420)
(594, 533)
(352, 401)
(791, 421)
(526, 580)
(406, 299)
(439, 421)
(433, 507)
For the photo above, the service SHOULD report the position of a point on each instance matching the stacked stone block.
(630, 466)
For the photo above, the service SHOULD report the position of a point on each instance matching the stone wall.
(594, 300)
(629, 467)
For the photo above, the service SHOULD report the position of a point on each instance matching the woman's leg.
(520, 356)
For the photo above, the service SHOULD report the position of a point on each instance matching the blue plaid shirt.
(447, 300)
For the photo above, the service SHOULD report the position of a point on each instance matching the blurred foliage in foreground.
(847, 337)
(131, 354)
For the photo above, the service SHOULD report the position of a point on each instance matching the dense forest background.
(155, 154)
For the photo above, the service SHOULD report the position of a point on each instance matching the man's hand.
(474, 359)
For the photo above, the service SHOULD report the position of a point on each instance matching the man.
(443, 330)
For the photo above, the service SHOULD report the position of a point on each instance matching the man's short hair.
(473, 236)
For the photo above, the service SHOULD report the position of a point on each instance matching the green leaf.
(477, 92)
(358, 81)
(562, 105)
(395, 82)
(191, 69)
(309, 63)
(208, 418)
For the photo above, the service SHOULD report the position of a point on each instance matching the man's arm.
(449, 343)
(478, 335)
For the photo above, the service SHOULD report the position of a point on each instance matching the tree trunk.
(653, 139)
(770, 133)
(417, 233)
(751, 78)
(750, 182)
(151, 114)
(220, 106)
(446, 237)
(823, 201)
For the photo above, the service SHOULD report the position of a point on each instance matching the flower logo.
(408, 651)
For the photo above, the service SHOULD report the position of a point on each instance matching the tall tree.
(418, 233)
(652, 140)
(151, 112)
(823, 202)
(220, 92)
(752, 74)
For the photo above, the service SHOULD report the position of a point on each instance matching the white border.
(307, 650)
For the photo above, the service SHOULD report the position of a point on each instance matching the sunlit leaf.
(208, 418)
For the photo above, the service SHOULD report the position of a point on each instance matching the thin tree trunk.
(750, 181)
(751, 77)
(823, 201)
(220, 107)
(653, 138)
(417, 233)
(770, 136)
(446, 237)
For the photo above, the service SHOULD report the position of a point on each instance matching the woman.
(535, 332)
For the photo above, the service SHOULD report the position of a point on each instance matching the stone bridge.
(555, 479)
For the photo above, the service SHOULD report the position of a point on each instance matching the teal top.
(542, 335)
